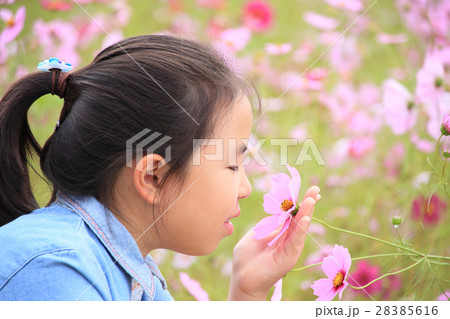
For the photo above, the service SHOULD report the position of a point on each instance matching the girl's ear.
(147, 176)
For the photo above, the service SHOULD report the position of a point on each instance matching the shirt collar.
(116, 239)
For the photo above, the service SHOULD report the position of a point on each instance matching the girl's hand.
(257, 267)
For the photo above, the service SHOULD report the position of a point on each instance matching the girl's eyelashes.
(234, 168)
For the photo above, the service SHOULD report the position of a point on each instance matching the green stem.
(389, 274)
(356, 258)
(437, 150)
(369, 237)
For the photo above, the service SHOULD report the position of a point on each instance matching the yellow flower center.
(10, 22)
(337, 281)
(286, 205)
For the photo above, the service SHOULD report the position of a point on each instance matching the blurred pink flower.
(278, 49)
(215, 28)
(444, 296)
(423, 145)
(56, 5)
(318, 256)
(181, 261)
(349, 5)
(430, 79)
(294, 80)
(303, 51)
(391, 285)
(279, 202)
(14, 24)
(234, 40)
(52, 37)
(399, 112)
(392, 38)
(258, 15)
(277, 292)
(345, 56)
(7, 1)
(361, 146)
(194, 287)
(212, 4)
(183, 24)
(428, 214)
(320, 21)
(364, 274)
(445, 127)
(336, 267)
(394, 159)
(436, 111)
(299, 132)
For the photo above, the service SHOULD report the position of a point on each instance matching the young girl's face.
(199, 217)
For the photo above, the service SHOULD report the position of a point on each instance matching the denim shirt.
(75, 249)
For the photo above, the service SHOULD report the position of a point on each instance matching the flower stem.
(369, 237)
(356, 258)
(389, 274)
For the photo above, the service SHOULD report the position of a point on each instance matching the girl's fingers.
(312, 192)
(297, 233)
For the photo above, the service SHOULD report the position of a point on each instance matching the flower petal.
(330, 266)
(271, 205)
(324, 289)
(265, 227)
(342, 257)
(277, 292)
(341, 289)
(285, 227)
(294, 183)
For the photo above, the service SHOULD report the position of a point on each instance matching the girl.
(114, 201)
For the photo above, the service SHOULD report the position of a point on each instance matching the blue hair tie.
(54, 63)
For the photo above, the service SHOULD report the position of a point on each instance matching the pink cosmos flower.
(345, 55)
(392, 38)
(278, 49)
(212, 4)
(56, 5)
(444, 296)
(234, 40)
(423, 145)
(349, 5)
(430, 79)
(361, 146)
(364, 274)
(14, 24)
(258, 15)
(52, 37)
(398, 107)
(428, 214)
(320, 21)
(279, 202)
(445, 127)
(336, 267)
(277, 293)
(194, 287)
(294, 80)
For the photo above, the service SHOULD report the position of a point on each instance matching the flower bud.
(445, 128)
(397, 220)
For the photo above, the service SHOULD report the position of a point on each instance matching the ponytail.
(17, 143)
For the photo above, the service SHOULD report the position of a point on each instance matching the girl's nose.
(245, 188)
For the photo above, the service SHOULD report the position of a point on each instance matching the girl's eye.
(234, 168)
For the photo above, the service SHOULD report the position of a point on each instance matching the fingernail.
(318, 197)
(308, 222)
